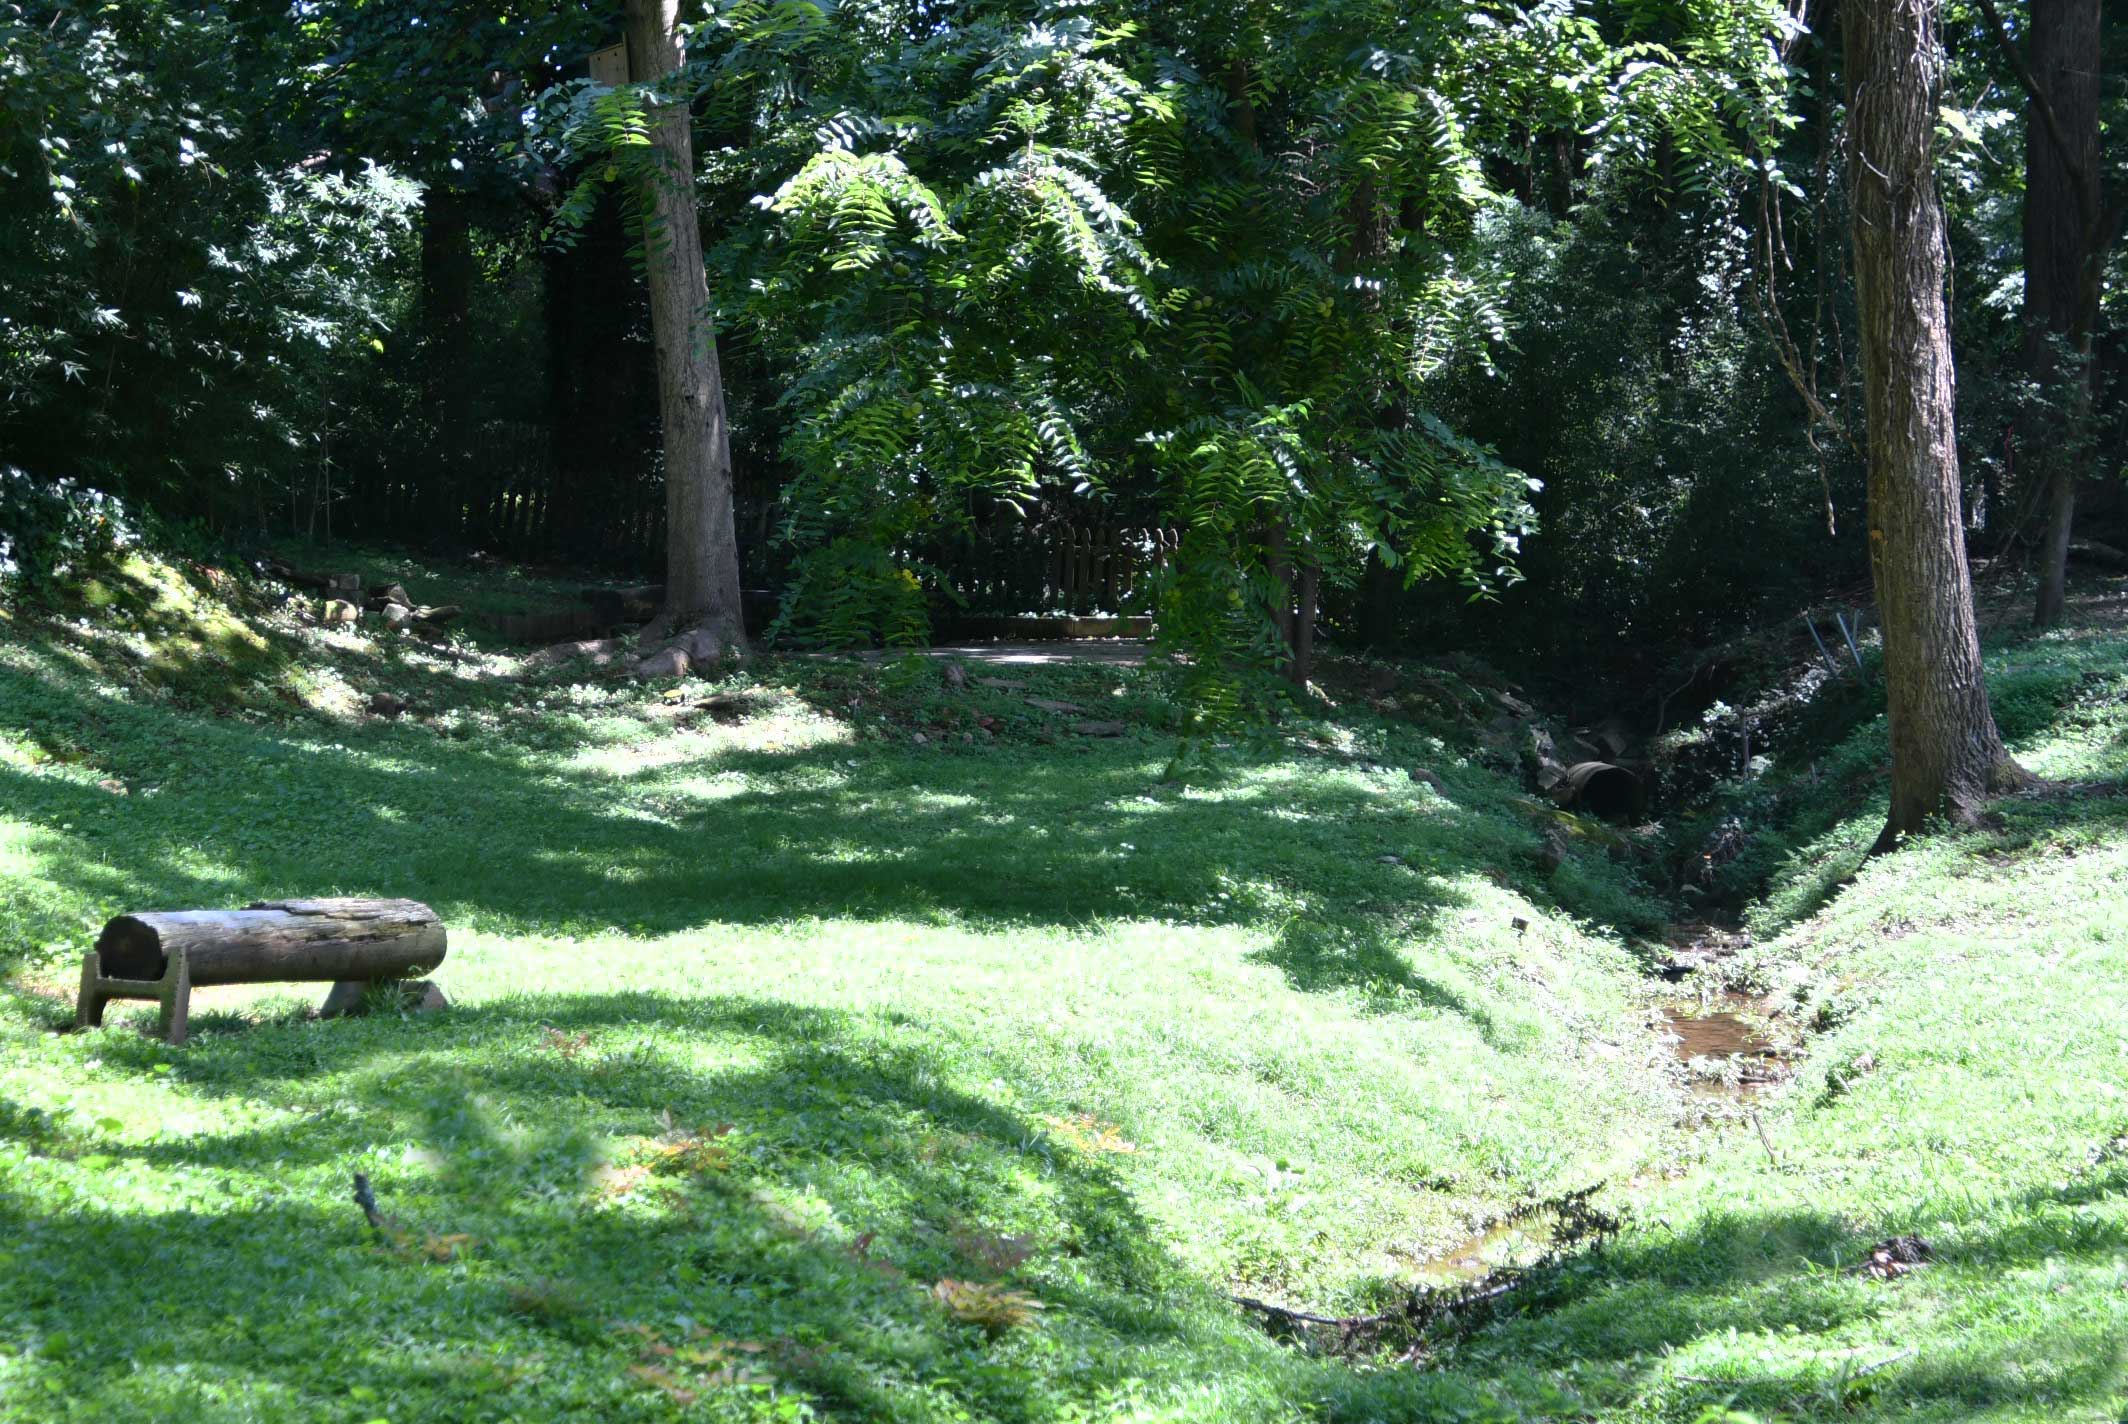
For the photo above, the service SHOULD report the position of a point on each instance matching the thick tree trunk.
(1946, 753)
(446, 355)
(2062, 236)
(702, 550)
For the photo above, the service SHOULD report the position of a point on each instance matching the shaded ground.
(768, 1030)
(1107, 652)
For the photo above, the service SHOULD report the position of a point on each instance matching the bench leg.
(88, 1009)
(175, 998)
(172, 993)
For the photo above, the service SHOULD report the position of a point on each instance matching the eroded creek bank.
(1657, 801)
(1727, 1045)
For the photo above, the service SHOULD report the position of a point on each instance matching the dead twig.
(1766, 1141)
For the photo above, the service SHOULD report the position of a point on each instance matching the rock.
(920, 739)
(1048, 704)
(385, 593)
(397, 615)
(701, 646)
(1426, 777)
(113, 785)
(437, 617)
(1514, 706)
(1389, 859)
(956, 676)
(338, 612)
(1552, 854)
(666, 662)
(385, 704)
(345, 586)
(1100, 729)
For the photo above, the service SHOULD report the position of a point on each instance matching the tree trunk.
(2062, 240)
(702, 549)
(446, 356)
(1310, 591)
(1946, 753)
(2053, 600)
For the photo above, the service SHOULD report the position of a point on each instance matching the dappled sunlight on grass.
(1290, 986)
(792, 1041)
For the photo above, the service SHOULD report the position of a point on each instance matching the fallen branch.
(1302, 1317)
(1766, 1141)
(1884, 1364)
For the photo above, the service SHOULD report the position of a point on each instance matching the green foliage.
(186, 291)
(1204, 268)
(1004, 1013)
(53, 532)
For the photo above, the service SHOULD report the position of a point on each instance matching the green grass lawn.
(799, 1069)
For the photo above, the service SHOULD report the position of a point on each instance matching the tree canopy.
(1328, 307)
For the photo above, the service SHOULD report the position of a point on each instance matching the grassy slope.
(901, 972)
(1967, 1082)
(958, 1002)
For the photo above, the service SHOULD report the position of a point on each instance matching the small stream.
(1723, 1044)
(1725, 1050)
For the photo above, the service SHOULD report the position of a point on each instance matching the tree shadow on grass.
(1364, 954)
(503, 841)
(851, 1173)
(1793, 1274)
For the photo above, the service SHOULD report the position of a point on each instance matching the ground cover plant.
(800, 1067)
(1570, 868)
(775, 1027)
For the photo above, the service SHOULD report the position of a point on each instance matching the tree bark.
(702, 549)
(1946, 753)
(291, 940)
(2062, 248)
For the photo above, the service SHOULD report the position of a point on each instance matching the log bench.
(351, 944)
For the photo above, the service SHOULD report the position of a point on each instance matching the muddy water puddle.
(1726, 1050)
(1511, 1243)
(1524, 1238)
(1729, 1053)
